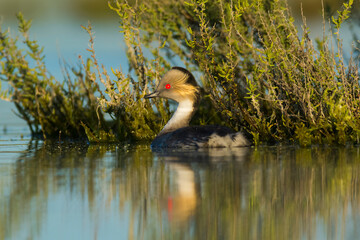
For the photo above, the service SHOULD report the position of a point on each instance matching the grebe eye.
(167, 86)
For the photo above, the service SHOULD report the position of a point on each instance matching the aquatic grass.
(259, 75)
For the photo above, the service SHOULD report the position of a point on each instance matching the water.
(81, 191)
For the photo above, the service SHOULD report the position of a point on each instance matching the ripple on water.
(14, 142)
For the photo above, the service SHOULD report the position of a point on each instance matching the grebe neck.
(181, 117)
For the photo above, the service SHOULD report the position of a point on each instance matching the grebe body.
(200, 137)
(179, 85)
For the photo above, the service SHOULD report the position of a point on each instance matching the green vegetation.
(259, 76)
(48, 107)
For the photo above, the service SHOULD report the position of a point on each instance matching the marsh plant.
(259, 75)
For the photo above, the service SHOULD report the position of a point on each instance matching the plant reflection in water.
(78, 191)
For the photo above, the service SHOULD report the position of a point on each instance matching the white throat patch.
(181, 117)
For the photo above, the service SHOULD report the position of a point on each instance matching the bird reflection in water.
(182, 202)
(184, 167)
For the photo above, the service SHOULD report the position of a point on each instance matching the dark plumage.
(191, 79)
(190, 137)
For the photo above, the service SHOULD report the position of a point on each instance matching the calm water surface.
(81, 191)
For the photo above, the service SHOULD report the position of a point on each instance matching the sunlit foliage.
(261, 76)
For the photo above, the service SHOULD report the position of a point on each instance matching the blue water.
(77, 191)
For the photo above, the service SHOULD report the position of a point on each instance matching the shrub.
(49, 107)
(259, 74)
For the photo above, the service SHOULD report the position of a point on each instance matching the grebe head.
(177, 84)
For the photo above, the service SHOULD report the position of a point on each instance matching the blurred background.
(49, 9)
(56, 25)
(98, 9)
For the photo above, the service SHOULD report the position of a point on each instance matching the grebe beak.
(152, 95)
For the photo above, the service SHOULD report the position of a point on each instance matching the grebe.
(179, 85)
